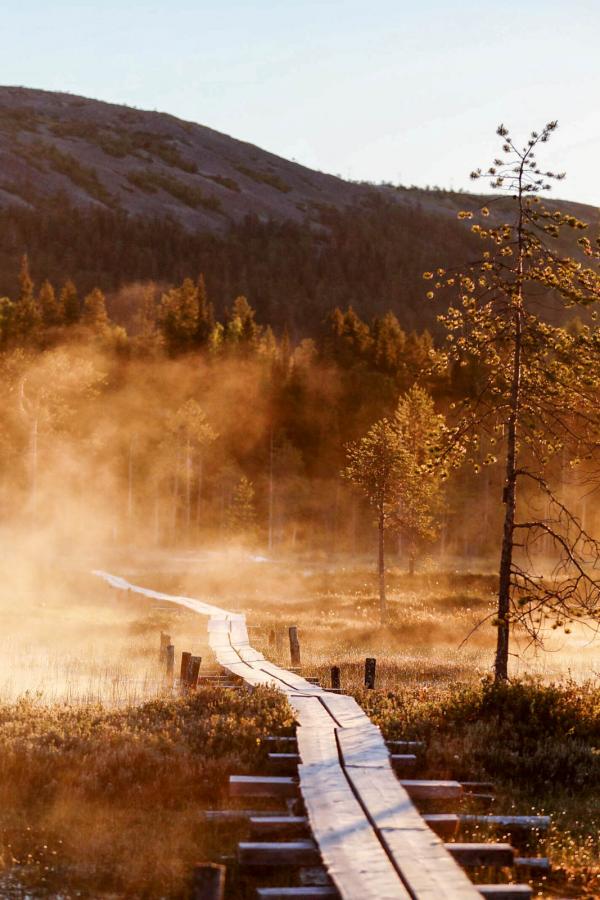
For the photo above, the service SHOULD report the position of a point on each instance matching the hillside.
(108, 195)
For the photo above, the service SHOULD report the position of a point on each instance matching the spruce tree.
(69, 303)
(50, 306)
(94, 314)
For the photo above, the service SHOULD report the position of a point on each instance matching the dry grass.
(103, 774)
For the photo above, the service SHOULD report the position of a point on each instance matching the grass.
(105, 799)
(99, 802)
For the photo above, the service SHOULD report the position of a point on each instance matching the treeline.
(295, 273)
(186, 426)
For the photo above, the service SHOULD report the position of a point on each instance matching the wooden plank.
(278, 826)
(297, 893)
(505, 891)
(432, 790)
(540, 863)
(418, 853)
(403, 746)
(474, 787)
(403, 760)
(533, 823)
(482, 854)
(443, 824)
(262, 786)
(279, 853)
(354, 856)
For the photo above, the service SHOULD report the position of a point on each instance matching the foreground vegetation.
(101, 803)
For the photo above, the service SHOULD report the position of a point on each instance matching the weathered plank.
(505, 891)
(279, 853)
(262, 786)
(482, 854)
(418, 853)
(533, 823)
(444, 824)
(278, 826)
(432, 790)
(297, 893)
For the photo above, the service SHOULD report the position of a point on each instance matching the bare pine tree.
(536, 385)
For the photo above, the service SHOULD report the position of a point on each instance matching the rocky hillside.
(148, 164)
(110, 195)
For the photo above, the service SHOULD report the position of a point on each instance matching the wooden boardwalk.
(372, 840)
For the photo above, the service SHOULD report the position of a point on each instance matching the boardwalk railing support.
(208, 882)
(370, 665)
(294, 646)
(185, 661)
(194, 671)
(336, 680)
(170, 656)
(165, 640)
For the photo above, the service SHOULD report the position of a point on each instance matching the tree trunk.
(510, 484)
(381, 570)
(34, 465)
(271, 491)
(130, 481)
(188, 489)
(200, 478)
(411, 561)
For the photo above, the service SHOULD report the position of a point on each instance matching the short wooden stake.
(272, 637)
(294, 645)
(183, 672)
(208, 882)
(170, 653)
(336, 681)
(165, 640)
(370, 665)
(194, 671)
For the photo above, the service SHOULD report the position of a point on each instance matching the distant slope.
(107, 194)
(148, 164)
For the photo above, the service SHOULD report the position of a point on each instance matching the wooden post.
(170, 654)
(165, 640)
(370, 665)
(336, 681)
(272, 637)
(183, 672)
(294, 645)
(208, 882)
(194, 671)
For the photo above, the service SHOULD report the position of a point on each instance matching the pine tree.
(179, 317)
(27, 315)
(372, 465)
(69, 302)
(241, 330)
(191, 433)
(206, 315)
(241, 514)
(419, 481)
(50, 306)
(25, 281)
(94, 314)
(537, 398)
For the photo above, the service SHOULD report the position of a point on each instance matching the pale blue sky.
(379, 90)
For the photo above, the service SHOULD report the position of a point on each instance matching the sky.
(378, 90)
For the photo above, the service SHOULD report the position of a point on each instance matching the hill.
(108, 195)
